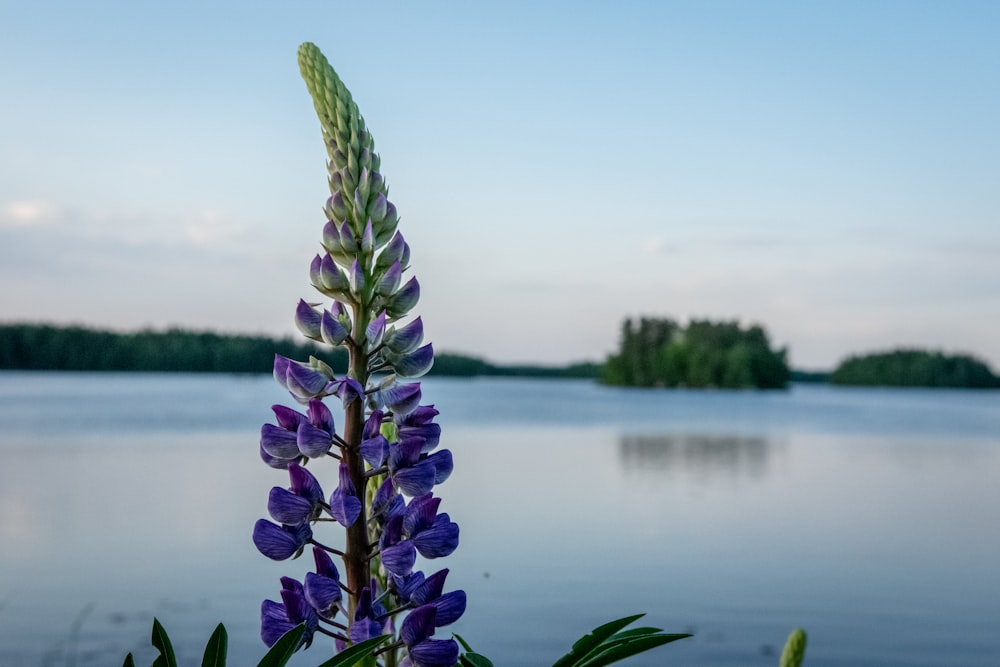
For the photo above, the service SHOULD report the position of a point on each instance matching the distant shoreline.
(48, 347)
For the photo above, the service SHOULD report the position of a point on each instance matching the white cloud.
(27, 213)
(212, 228)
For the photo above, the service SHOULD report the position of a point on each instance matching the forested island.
(78, 348)
(915, 368)
(659, 352)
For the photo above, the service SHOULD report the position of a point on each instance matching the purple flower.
(439, 540)
(278, 618)
(299, 504)
(280, 542)
(322, 587)
(407, 338)
(416, 631)
(301, 380)
(345, 506)
(366, 618)
(402, 399)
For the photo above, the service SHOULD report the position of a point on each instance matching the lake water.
(869, 517)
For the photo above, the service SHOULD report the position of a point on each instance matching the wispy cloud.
(212, 228)
(27, 213)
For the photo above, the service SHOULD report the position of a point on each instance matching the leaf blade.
(161, 642)
(585, 645)
(352, 655)
(216, 649)
(283, 649)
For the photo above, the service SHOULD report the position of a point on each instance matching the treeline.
(915, 368)
(661, 353)
(77, 348)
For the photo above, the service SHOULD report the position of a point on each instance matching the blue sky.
(828, 169)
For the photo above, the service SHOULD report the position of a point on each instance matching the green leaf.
(474, 660)
(461, 641)
(283, 648)
(635, 632)
(353, 655)
(795, 649)
(218, 646)
(129, 661)
(161, 642)
(615, 650)
(586, 644)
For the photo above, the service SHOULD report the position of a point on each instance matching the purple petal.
(323, 593)
(435, 653)
(401, 398)
(375, 331)
(304, 484)
(281, 365)
(368, 238)
(278, 442)
(349, 390)
(389, 282)
(307, 320)
(405, 299)
(274, 461)
(443, 465)
(331, 330)
(392, 252)
(345, 506)
(320, 416)
(331, 237)
(429, 589)
(304, 382)
(313, 442)
(405, 453)
(439, 540)
(406, 585)
(365, 629)
(420, 514)
(418, 625)
(333, 282)
(387, 502)
(373, 425)
(399, 559)
(392, 531)
(287, 418)
(415, 481)
(316, 272)
(288, 508)
(407, 338)
(378, 207)
(450, 607)
(416, 363)
(279, 542)
(357, 279)
(324, 564)
(419, 417)
(374, 450)
(273, 622)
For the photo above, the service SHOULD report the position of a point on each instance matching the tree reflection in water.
(703, 454)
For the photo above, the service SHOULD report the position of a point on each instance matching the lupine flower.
(387, 448)
(278, 618)
(424, 651)
(299, 504)
(280, 542)
(367, 623)
(322, 587)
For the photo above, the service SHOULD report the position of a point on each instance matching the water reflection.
(702, 454)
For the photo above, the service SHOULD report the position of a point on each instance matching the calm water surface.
(869, 517)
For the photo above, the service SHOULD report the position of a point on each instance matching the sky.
(830, 170)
